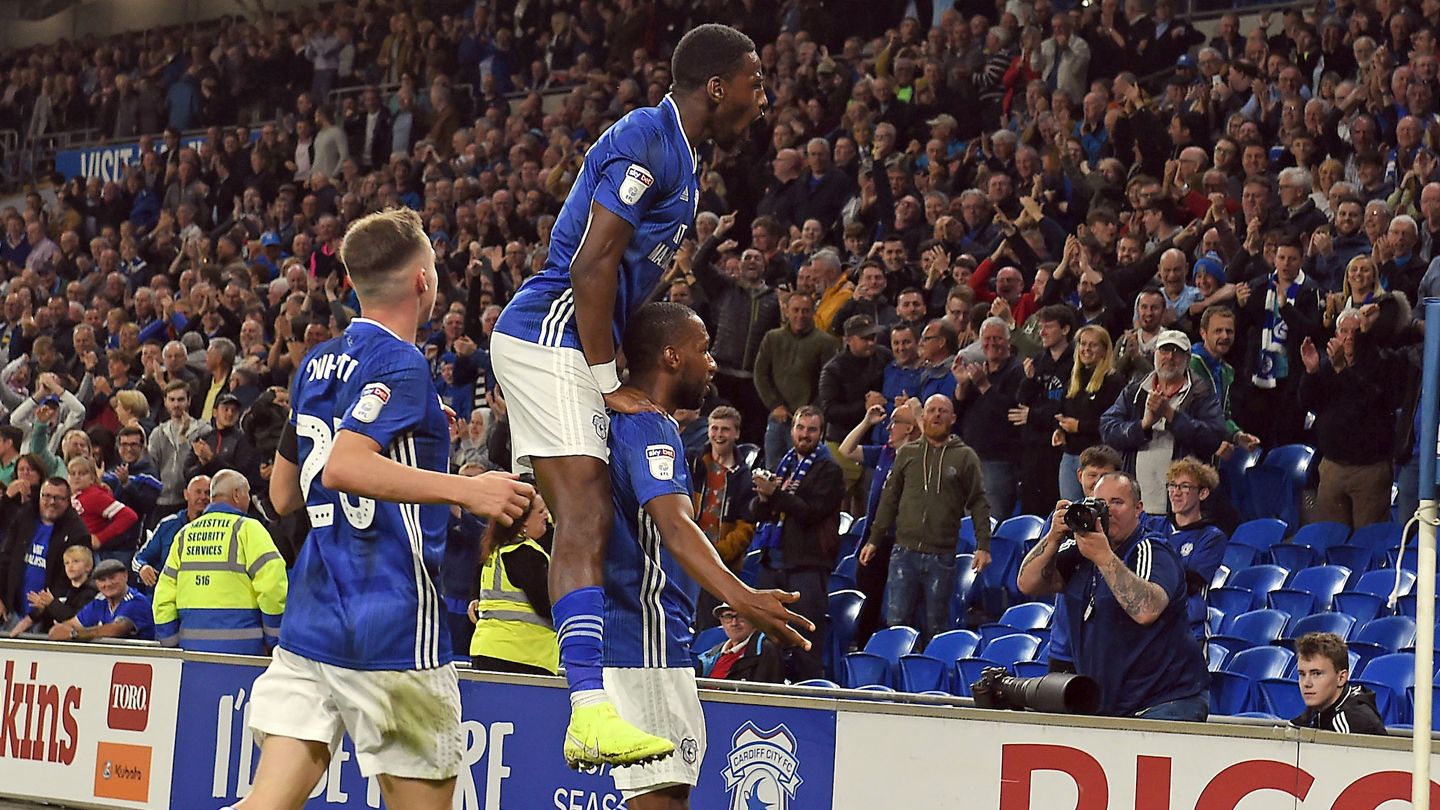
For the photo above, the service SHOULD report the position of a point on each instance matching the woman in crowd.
(1093, 388)
(513, 630)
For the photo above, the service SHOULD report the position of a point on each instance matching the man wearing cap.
(226, 447)
(1167, 415)
(849, 384)
(270, 253)
(744, 655)
(122, 612)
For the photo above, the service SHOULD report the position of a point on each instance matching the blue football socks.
(580, 623)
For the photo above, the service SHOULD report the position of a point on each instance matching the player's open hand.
(497, 495)
(629, 399)
(766, 610)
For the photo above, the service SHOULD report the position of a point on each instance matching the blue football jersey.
(362, 593)
(644, 171)
(649, 600)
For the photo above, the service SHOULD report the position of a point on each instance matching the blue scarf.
(791, 471)
(1274, 363)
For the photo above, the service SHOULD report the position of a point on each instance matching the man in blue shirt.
(554, 345)
(657, 559)
(1124, 594)
(366, 454)
(151, 557)
(122, 612)
(1200, 543)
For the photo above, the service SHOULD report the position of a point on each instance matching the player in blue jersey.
(657, 555)
(554, 345)
(365, 648)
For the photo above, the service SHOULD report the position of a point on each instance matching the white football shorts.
(663, 701)
(554, 405)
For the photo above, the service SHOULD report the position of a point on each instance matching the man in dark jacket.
(1170, 414)
(1332, 703)
(985, 394)
(32, 553)
(226, 447)
(745, 655)
(1041, 394)
(825, 188)
(133, 479)
(798, 509)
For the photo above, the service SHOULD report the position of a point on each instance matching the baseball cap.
(269, 238)
(860, 326)
(448, 357)
(226, 399)
(720, 608)
(1210, 265)
(108, 567)
(1185, 60)
(1173, 337)
(50, 399)
(943, 118)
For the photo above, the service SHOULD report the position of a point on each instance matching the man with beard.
(1169, 414)
(1330, 253)
(1135, 350)
(985, 393)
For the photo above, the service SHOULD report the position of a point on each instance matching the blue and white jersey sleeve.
(1155, 560)
(395, 393)
(626, 181)
(649, 457)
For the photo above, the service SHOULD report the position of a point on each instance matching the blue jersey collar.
(694, 156)
(379, 325)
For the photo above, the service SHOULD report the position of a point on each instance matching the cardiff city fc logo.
(762, 769)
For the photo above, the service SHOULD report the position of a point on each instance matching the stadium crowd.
(1018, 239)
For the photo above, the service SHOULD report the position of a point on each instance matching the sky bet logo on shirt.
(637, 181)
(129, 708)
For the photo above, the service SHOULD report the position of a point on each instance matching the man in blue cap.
(270, 253)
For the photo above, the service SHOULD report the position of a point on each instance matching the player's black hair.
(655, 326)
(706, 51)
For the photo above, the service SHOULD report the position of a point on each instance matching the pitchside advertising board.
(758, 757)
(108, 162)
(96, 729)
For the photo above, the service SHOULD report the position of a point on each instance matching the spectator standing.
(1332, 703)
(1063, 60)
(927, 517)
(797, 509)
(11, 438)
(1170, 414)
(151, 557)
(850, 384)
(1041, 396)
(1091, 390)
(787, 371)
(1207, 362)
(833, 288)
(1353, 398)
(134, 479)
(513, 625)
(120, 612)
(744, 655)
(330, 148)
(219, 362)
(1277, 312)
(985, 393)
(720, 481)
(1200, 543)
(172, 443)
(243, 585)
(1124, 594)
(1135, 351)
(32, 556)
(224, 448)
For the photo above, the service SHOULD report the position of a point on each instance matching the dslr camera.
(1088, 515)
(1057, 692)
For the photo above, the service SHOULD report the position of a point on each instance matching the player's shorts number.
(361, 512)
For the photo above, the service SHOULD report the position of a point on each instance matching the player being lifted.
(554, 345)
(364, 646)
(657, 554)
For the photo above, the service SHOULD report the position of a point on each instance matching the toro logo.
(129, 708)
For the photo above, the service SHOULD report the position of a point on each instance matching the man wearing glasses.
(1200, 543)
(32, 557)
(744, 655)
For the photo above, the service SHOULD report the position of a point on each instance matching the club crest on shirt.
(661, 458)
(637, 181)
(372, 398)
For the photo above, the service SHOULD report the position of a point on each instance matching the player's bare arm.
(285, 494)
(595, 277)
(358, 466)
(674, 517)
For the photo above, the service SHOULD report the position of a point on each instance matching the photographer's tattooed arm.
(1142, 599)
(1047, 579)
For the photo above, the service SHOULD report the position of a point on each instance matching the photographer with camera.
(1123, 587)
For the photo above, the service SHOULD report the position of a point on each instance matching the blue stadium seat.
(880, 658)
(1272, 496)
(966, 543)
(993, 630)
(846, 521)
(1380, 538)
(1259, 534)
(1357, 558)
(1232, 689)
(1321, 536)
(750, 569)
(749, 454)
(874, 687)
(1406, 560)
(1002, 652)
(1025, 528)
(850, 540)
(1311, 591)
(1031, 669)
(1222, 573)
(1215, 655)
(917, 671)
(1391, 676)
(1434, 704)
(1369, 596)
(843, 577)
(1293, 556)
(1023, 618)
(844, 612)
(1281, 697)
(1215, 620)
(1254, 629)
(708, 638)
(1387, 634)
(1248, 588)
(1338, 623)
(964, 590)
(1240, 556)
(1233, 475)
(997, 581)
(1294, 461)
(1409, 603)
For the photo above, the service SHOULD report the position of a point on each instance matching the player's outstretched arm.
(285, 494)
(674, 517)
(595, 278)
(358, 467)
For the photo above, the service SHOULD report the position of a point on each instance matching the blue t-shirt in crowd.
(643, 170)
(649, 600)
(363, 592)
(880, 458)
(36, 557)
(133, 606)
(1202, 548)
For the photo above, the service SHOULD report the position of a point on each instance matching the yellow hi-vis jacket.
(509, 628)
(223, 586)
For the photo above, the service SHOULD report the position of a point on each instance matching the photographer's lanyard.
(1090, 592)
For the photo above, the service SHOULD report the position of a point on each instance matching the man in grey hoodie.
(936, 478)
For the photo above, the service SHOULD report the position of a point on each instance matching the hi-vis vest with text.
(509, 628)
(223, 586)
